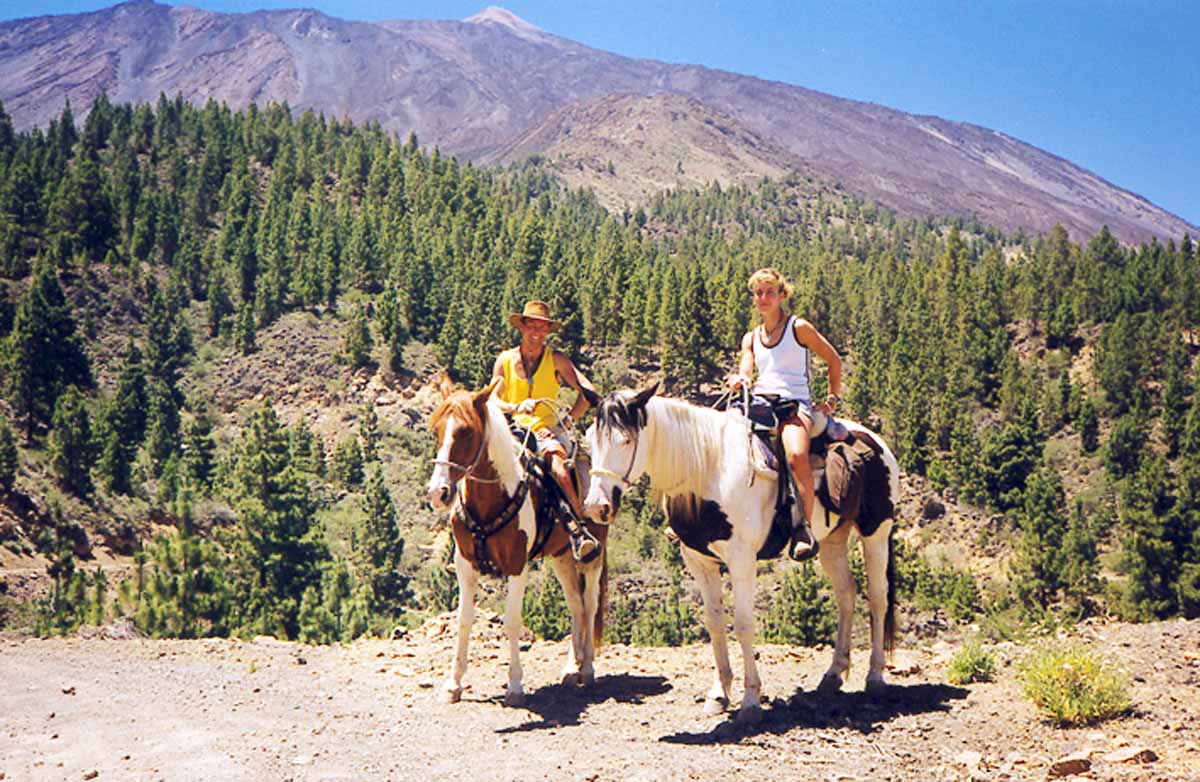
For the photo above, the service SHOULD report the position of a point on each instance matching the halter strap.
(468, 472)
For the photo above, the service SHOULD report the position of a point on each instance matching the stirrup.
(813, 545)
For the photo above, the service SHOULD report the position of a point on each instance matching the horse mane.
(501, 447)
(686, 445)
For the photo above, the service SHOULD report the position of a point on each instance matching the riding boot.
(584, 546)
(804, 543)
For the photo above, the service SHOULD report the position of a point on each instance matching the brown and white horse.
(499, 525)
(698, 459)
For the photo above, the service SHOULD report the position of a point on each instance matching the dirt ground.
(75, 709)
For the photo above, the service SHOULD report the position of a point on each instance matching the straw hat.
(534, 310)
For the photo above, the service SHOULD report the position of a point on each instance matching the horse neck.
(683, 445)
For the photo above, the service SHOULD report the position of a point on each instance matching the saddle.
(766, 415)
(555, 509)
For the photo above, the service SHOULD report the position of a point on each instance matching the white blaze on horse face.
(438, 491)
(611, 456)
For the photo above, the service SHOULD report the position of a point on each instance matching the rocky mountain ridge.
(479, 87)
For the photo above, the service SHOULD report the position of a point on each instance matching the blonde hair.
(772, 276)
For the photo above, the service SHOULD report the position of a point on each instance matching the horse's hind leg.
(468, 582)
(875, 558)
(568, 577)
(592, 573)
(514, 693)
(837, 567)
(708, 578)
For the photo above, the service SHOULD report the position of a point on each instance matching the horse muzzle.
(439, 497)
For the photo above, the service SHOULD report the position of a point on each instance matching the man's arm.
(587, 395)
(498, 390)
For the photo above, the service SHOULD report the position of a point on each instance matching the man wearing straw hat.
(529, 377)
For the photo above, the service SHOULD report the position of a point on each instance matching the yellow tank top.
(545, 385)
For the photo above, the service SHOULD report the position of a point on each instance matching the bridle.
(622, 479)
(468, 473)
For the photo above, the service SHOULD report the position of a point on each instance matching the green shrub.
(972, 663)
(545, 608)
(801, 613)
(1074, 685)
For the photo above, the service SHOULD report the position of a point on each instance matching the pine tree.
(368, 432)
(381, 549)
(71, 443)
(1177, 387)
(244, 335)
(1038, 566)
(199, 451)
(356, 340)
(278, 550)
(1089, 426)
(43, 352)
(1123, 452)
(348, 463)
(8, 456)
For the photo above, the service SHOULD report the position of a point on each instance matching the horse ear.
(644, 395)
(480, 397)
(445, 385)
(591, 396)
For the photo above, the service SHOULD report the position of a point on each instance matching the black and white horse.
(721, 506)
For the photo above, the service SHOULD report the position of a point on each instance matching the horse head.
(460, 426)
(613, 441)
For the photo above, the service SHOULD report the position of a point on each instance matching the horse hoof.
(876, 686)
(749, 715)
(572, 679)
(715, 706)
(830, 682)
(514, 698)
(587, 679)
(451, 694)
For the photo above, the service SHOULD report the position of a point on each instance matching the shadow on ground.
(860, 711)
(558, 705)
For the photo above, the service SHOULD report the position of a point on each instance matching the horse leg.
(875, 558)
(468, 582)
(592, 573)
(514, 693)
(837, 566)
(742, 567)
(568, 577)
(707, 574)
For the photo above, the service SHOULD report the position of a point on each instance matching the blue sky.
(1112, 86)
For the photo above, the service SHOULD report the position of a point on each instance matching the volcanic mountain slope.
(473, 87)
(626, 148)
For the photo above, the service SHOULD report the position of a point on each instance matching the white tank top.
(782, 369)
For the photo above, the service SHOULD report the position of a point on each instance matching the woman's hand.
(737, 380)
(527, 406)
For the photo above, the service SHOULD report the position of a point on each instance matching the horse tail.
(889, 616)
(602, 601)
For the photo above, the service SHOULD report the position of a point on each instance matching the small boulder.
(1069, 765)
(933, 508)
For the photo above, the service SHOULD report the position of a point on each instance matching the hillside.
(472, 88)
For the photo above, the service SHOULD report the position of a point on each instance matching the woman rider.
(532, 371)
(779, 349)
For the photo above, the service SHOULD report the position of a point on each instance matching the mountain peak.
(494, 14)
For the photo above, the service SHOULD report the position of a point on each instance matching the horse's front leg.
(514, 693)
(837, 566)
(707, 574)
(468, 582)
(742, 565)
(568, 577)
